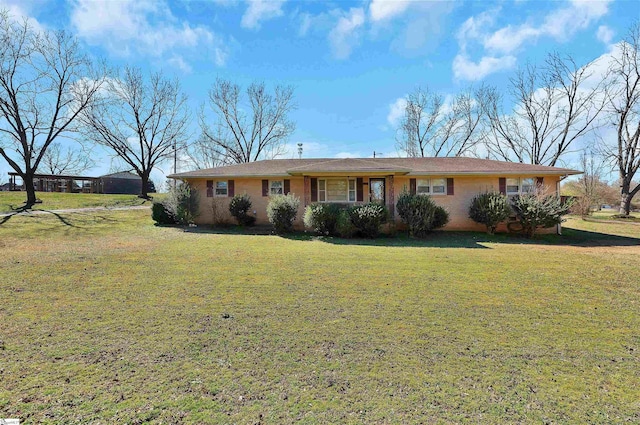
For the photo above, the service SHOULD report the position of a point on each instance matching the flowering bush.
(537, 210)
(322, 218)
(368, 218)
(490, 209)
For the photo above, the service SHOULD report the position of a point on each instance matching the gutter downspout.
(559, 225)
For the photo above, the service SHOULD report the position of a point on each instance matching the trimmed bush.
(161, 215)
(420, 214)
(239, 207)
(490, 209)
(368, 218)
(344, 226)
(282, 211)
(535, 211)
(322, 218)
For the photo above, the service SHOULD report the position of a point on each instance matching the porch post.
(391, 203)
(307, 190)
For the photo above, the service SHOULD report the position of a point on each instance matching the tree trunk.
(625, 199)
(625, 204)
(27, 179)
(144, 189)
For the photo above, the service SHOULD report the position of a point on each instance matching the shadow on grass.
(75, 219)
(439, 239)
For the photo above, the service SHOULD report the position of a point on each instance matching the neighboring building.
(57, 183)
(116, 183)
(123, 182)
(5, 187)
(452, 182)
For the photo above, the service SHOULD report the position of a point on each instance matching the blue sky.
(350, 62)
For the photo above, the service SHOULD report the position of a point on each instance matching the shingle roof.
(402, 166)
(122, 175)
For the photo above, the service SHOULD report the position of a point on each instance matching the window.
(518, 186)
(222, 188)
(352, 190)
(276, 187)
(423, 187)
(439, 186)
(527, 185)
(431, 187)
(322, 190)
(513, 186)
(336, 190)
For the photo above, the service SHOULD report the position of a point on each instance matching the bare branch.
(141, 122)
(555, 106)
(623, 112)
(430, 127)
(245, 132)
(45, 83)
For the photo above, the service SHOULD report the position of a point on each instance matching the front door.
(376, 191)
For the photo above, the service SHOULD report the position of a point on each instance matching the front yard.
(107, 318)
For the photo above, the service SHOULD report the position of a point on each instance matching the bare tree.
(590, 184)
(142, 122)
(58, 160)
(251, 130)
(555, 105)
(201, 154)
(623, 111)
(45, 83)
(430, 127)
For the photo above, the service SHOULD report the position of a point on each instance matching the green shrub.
(490, 209)
(535, 211)
(322, 218)
(239, 207)
(344, 226)
(420, 214)
(161, 215)
(183, 203)
(368, 218)
(282, 211)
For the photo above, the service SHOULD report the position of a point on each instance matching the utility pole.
(378, 153)
(175, 161)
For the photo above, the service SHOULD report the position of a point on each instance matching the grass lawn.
(612, 215)
(55, 201)
(109, 319)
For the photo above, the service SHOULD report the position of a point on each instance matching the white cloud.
(604, 34)
(22, 9)
(466, 69)
(305, 24)
(474, 27)
(501, 45)
(261, 10)
(380, 10)
(309, 150)
(145, 28)
(559, 24)
(179, 62)
(348, 155)
(344, 36)
(396, 111)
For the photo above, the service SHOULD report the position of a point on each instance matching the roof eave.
(495, 173)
